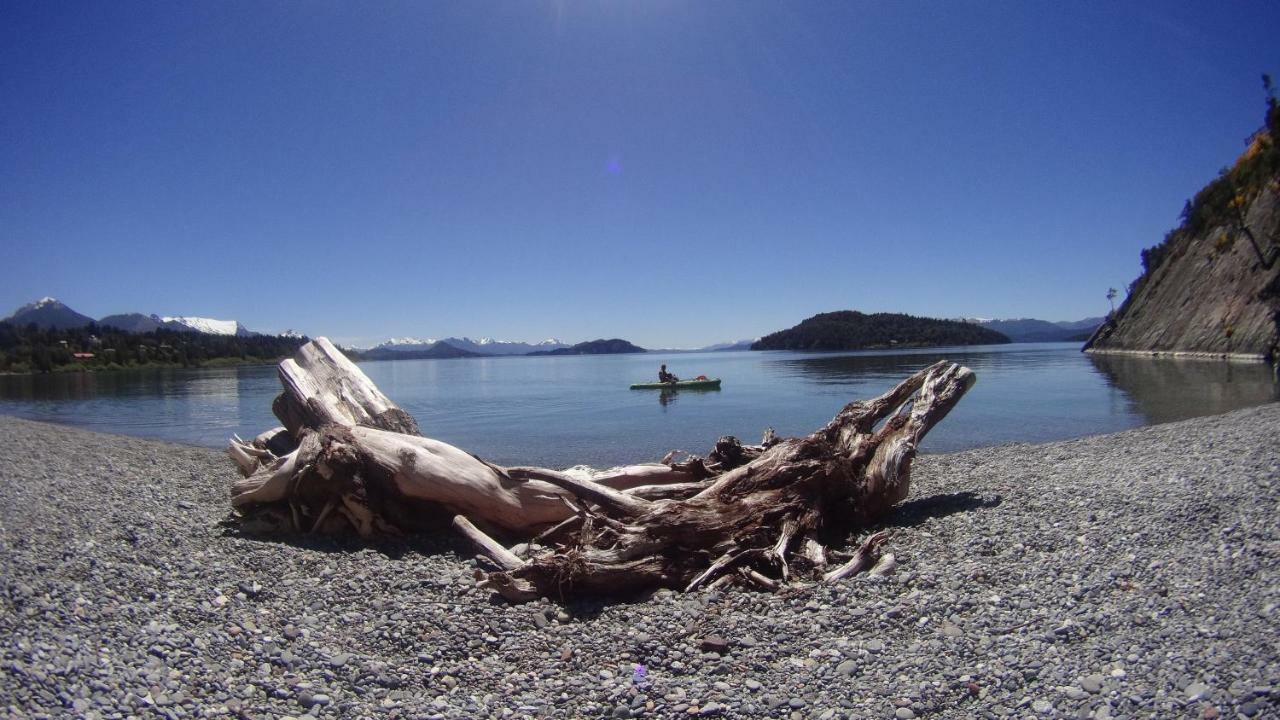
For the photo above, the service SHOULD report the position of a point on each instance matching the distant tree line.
(852, 330)
(32, 349)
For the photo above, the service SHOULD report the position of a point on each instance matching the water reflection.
(666, 396)
(862, 367)
(1041, 392)
(196, 406)
(1165, 389)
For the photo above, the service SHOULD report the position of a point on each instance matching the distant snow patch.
(205, 325)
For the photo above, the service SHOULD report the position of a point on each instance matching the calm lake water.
(561, 411)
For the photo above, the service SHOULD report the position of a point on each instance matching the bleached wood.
(359, 461)
(247, 463)
(322, 387)
(861, 561)
(628, 477)
(629, 505)
(884, 566)
(438, 472)
(814, 551)
(491, 548)
(267, 485)
(674, 491)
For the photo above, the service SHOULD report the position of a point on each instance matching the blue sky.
(672, 173)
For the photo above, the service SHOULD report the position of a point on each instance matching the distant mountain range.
(414, 351)
(853, 330)
(139, 323)
(418, 348)
(1032, 330)
(856, 331)
(49, 313)
(483, 346)
(729, 346)
(413, 348)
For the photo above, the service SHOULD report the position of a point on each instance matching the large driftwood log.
(763, 515)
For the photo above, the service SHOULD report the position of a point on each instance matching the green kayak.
(713, 384)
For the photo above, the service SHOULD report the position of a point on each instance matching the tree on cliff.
(1198, 292)
(1225, 202)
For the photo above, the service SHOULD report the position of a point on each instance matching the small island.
(615, 346)
(853, 330)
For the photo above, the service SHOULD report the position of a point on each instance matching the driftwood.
(758, 515)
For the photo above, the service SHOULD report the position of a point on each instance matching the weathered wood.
(492, 549)
(862, 560)
(322, 387)
(761, 515)
(385, 469)
(243, 459)
(884, 566)
(616, 500)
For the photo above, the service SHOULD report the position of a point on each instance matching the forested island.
(32, 349)
(853, 330)
(615, 346)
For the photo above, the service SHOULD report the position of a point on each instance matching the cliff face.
(1208, 291)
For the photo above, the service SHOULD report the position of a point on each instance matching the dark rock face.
(1212, 294)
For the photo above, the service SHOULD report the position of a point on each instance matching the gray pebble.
(1116, 540)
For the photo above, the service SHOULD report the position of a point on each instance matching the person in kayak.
(666, 377)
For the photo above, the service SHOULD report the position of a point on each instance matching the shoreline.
(211, 364)
(1120, 575)
(1183, 355)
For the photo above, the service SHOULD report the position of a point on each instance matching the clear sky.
(673, 173)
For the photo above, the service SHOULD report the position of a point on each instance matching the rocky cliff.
(1213, 287)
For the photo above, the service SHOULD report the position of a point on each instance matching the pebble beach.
(1124, 575)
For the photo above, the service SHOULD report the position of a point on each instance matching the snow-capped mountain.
(207, 326)
(405, 343)
(48, 312)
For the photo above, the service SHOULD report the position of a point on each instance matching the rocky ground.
(1127, 575)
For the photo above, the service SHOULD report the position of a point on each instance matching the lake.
(561, 411)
